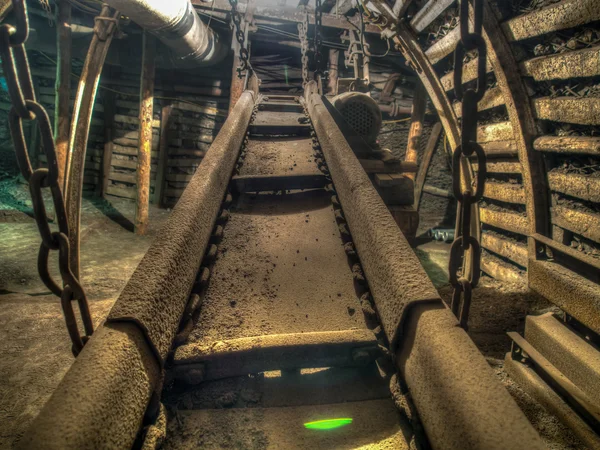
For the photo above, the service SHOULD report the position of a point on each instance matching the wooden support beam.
(576, 145)
(500, 270)
(500, 149)
(583, 222)
(163, 154)
(583, 187)
(501, 131)
(428, 13)
(108, 98)
(436, 131)
(416, 124)
(62, 117)
(579, 110)
(492, 98)
(504, 192)
(400, 7)
(505, 247)
(145, 142)
(334, 58)
(509, 167)
(504, 219)
(443, 47)
(469, 74)
(564, 66)
(558, 16)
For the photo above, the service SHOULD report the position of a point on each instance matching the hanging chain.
(24, 107)
(465, 243)
(244, 54)
(302, 34)
(318, 40)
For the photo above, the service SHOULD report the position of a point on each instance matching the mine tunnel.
(300, 224)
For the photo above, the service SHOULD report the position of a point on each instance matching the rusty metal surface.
(238, 357)
(395, 276)
(104, 31)
(460, 401)
(102, 399)
(156, 295)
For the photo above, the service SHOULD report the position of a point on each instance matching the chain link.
(24, 107)
(465, 243)
(302, 34)
(244, 54)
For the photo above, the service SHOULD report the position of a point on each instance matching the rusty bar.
(62, 123)
(583, 222)
(82, 114)
(505, 247)
(576, 185)
(504, 192)
(443, 47)
(428, 13)
(492, 98)
(416, 124)
(501, 131)
(469, 74)
(334, 58)
(505, 220)
(499, 269)
(238, 357)
(146, 118)
(436, 131)
(157, 292)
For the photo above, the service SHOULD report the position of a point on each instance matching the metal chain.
(302, 34)
(24, 107)
(244, 54)
(318, 40)
(464, 243)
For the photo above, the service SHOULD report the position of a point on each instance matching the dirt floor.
(33, 338)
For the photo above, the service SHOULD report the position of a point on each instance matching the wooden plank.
(509, 167)
(122, 118)
(108, 98)
(500, 270)
(415, 130)
(469, 74)
(578, 145)
(428, 13)
(579, 110)
(443, 47)
(500, 149)
(436, 131)
(184, 162)
(583, 187)
(564, 66)
(383, 179)
(179, 177)
(378, 166)
(492, 98)
(559, 16)
(123, 192)
(504, 192)
(505, 247)
(127, 164)
(400, 7)
(583, 222)
(501, 131)
(505, 220)
(129, 177)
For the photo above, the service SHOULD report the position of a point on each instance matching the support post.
(425, 162)
(163, 154)
(62, 123)
(334, 58)
(108, 100)
(416, 124)
(145, 135)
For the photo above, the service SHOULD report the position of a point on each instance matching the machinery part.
(468, 409)
(157, 293)
(465, 245)
(238, 357)
(177, 25)
(104, 30)
(361, 112)
(24, 107)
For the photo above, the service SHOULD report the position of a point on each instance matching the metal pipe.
(177, 25)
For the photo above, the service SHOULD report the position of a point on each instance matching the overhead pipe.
(177, 25)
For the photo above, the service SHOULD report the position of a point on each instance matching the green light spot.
(327, 424)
